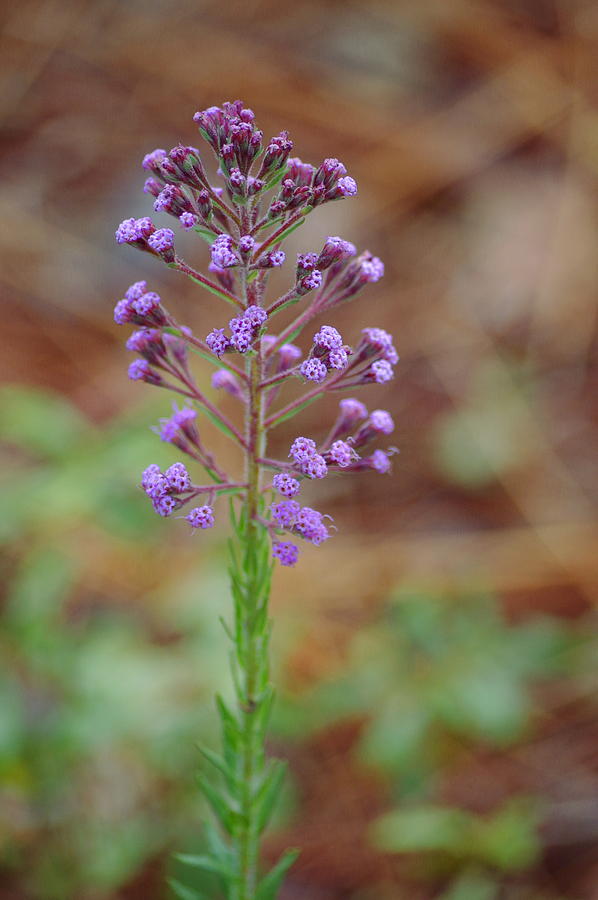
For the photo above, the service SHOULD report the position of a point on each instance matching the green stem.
(252, 652)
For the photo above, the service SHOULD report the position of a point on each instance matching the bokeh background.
(437, 659)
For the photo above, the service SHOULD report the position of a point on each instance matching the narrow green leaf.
(219, 764)
(208, 287)
(211, 357)
(207, 863)
(226, 627)
(216, 845)
(284, 234)
(252, 276)
(290, 302)
(293, 412)
(277, 178)
(184, 893)
(268, 793)
(205, 233)
(270, 885)
(221, 809)
(216, 421)
(295, 334)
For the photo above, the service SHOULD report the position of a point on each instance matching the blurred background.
(436, 660)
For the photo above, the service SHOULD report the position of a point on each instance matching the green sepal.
(184, 893)
(268, 793)
(269, 886)
(293, 412)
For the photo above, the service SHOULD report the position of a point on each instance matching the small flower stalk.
(260, 195)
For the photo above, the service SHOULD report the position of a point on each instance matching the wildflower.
(201, 517)
(302, 449)
(222, 252)
(286, 484)
(313, 370)
(285, 552)
(315, 466)
(341, 453)
(217, 341)
(285, 513)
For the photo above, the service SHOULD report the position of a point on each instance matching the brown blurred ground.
(472, 130)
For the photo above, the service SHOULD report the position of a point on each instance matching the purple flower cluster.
(164, 488)
(140, 306)
(303, 521)
(263, 194)
(244, 330)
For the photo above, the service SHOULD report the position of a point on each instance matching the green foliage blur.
(112, 650)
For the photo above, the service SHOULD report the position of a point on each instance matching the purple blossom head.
(146, 304)
(178, 478)
(346, 186)
(352, 411)
(285, 552)
(306, 262)
(313, 370)
(151, 477)
(140, 370)
(224, 380)
(162, 242)
(127, 232)
(341, 453)
(246, 246)
(315, 466)
(217, 341)
(188, 220)
(372, 269)
(381, 421)
(380, 461)
(338, 359)
(289, 354)
(164, 504)
(201, 517)
(328, 337)
(310, 282)
(255, 315)
(123, 312)
(222, 252)
(151, 161)
(271, 260)
(286, 485)
(309, 524)
(302, 449)
(334, 250)
(181, 421)
(381, 371)
(285, 512)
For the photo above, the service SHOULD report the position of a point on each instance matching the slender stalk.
(251, 649)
